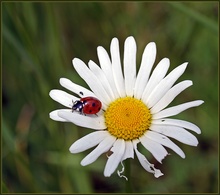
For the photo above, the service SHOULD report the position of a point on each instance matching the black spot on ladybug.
(90, 111)
(93, 104)
(99, 108)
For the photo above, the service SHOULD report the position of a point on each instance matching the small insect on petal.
(87, 105)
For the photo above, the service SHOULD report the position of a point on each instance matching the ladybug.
(87, 105)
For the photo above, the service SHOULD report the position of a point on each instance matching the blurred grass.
(39, 41)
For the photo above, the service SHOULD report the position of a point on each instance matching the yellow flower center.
(127, 118)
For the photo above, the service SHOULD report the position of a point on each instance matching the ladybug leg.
(72, 106)
(81, 112)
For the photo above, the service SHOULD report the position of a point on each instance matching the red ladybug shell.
(91, 105)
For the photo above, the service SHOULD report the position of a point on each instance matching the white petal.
(62, 97)
(104, 146)
(101, 76)
(54, 115)
(88, 141)
(130, 49)
(116, 67)
(148, 59)
(171, 111)
(177, 133)
(164, 85)
(129, 151)
(179, 123)
(92, 122)
(157, 75)
(118, 150)
(106, 65)
(156, 149)
(93, 82)
(77, 89)
(170, 95)
(144, 162)
(162, 139)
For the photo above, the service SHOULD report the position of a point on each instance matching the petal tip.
(63, 80)
(185, 64)
(52, 93)
(167, 60)
(51, 115)
(83, 163)
(158, 173)
(75, 61)
(107, 174)
(199, 102)
(114, 39)
(130, 39)
(152, 44)
(100, 49)
(73, 149)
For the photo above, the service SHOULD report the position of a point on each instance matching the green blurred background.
(39, 41)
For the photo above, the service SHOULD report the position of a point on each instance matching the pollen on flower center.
(127, 118)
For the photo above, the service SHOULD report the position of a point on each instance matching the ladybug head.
(78, 106)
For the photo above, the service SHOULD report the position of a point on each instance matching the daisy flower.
(134, 107)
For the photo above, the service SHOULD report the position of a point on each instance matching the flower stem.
(128, 187)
